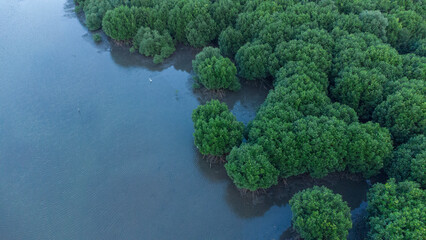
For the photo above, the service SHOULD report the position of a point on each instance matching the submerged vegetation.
(349, 95)
(97, 37)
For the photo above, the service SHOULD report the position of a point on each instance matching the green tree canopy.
(248, 166)
(298, 50)
(201, 31)
(404, 113)
(361, 89)
(300, 93)
(349, 22)
(369, 146)
(120, 23)
(409, 161)
(420, 47)
(230, 40)
(318, 213)
(350, 50)
(340, 111)
(95, 11)
(218, 73)
(318, 36)
(318, 145)
(207, 52)
(391, 87)
(151, 43)
(414, 66)
(225, 12)
(410, 28)
(396, 211)
(252, 60)
(250, 23)
(300, 68)
(278, 29)
(386, 59)
(190, 22)
(374, 22)
(217, 130)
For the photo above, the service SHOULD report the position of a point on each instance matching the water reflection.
(214, 172)
(352, 189)
(272, 207)
(290, 234)
(243, 103)
(180, 60)
(69, 9)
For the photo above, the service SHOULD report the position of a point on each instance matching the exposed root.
(351, 176)
(253, 194)
(218, 93)
(215, 159)
(265, 84)
(262, 83)
(121, 43)
(294, 234)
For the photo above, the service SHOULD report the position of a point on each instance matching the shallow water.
(90, 149)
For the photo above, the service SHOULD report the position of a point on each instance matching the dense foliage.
(248, 166)
(252, 60)
(299, 50)
(361, 89)
(217, 130)
(95, 11)
(190, 22)
(322, 145)
(318, 214)
(374, 22)
(199, 23)
(218, 73)
(397, 211)
(151, 43)
(120, 23)
(230, 41)
(403, 112)
(409, 161)
(207, 52)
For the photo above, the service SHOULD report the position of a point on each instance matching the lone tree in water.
(248, 166)
(318, 213)
(217, 130)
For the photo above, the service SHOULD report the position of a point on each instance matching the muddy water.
(91, 149)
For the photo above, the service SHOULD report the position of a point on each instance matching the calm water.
(90, 149)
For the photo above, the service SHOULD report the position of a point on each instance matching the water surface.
(90, 149)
